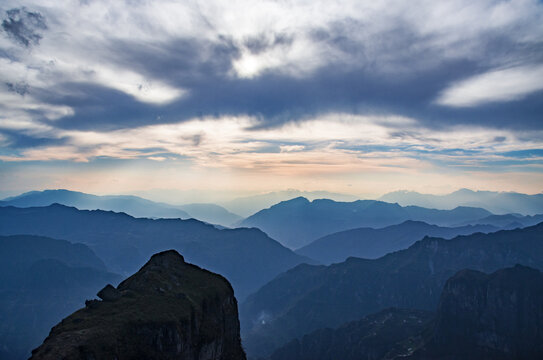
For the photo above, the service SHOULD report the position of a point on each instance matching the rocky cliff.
(496, 316)
(169, 309)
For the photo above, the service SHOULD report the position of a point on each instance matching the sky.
(241, 97)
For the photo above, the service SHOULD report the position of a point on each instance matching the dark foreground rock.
(168, 310)
(496, 316)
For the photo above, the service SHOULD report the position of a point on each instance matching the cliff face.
(167, 310)
(496, 316)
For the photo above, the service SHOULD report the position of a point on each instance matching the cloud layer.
(290, 87)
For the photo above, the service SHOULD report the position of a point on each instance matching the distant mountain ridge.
(249, 205)
(495, 202)
(369, 243)
(310, 297)
(247, 257)
(507, 221)
(297, 222)
(131, 205)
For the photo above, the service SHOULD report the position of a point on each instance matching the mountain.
(508, 221)
(248, 205)
(480, 316)
(487, 317)
(169, 309)
(211, 213)
(23, 250)
(131, 205)
(371, 243)
(297, 222)
(495, 202)
(42, 280)
(371, 338)
(247, 257)
(310, 297)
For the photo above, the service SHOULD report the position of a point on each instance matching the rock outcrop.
(169, 309)
(496, 316)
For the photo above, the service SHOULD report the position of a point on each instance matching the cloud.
(335, 142)
(23, 26)
(494, 86)
(20, 88)
(310, 87)
(279, 62)
(324, 152)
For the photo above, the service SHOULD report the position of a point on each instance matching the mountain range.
(495, 202)
(249, 205)
(297, 222)
(479, 316)
(247, 257)
(131, 205)
(507, 221)
(310, 297)
(369, 243)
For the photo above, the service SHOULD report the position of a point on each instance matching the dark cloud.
(276, 98)
(392, 75)
(21, 88)
(18, 140)
(23, 26)
(197, 139)
(100, 107)
(263, 42)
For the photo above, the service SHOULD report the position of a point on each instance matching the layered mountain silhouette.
(131, 205)
(309, 297)
(496, 202)
(371, 243)
(507, 221)
(211, 213)
(42, 280)
(248, 205)
(480, 316)
(247, 257)
(297, 222)
(169, 309)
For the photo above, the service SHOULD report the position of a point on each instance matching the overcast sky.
(360, 97)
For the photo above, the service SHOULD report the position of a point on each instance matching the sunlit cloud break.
(494, 86)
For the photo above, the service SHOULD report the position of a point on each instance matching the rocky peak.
(165, 259)
(169, 309)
